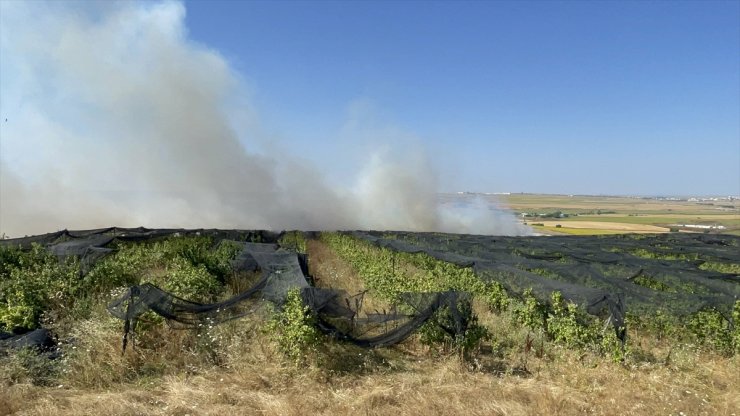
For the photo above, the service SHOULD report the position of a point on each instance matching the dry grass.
(330, 271)
(603, 225)
(564, 384)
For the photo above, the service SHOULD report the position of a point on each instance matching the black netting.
(671, 272)
(338, 313)
(374, 330)
(678, 273)
(38, 339)
(94, 238)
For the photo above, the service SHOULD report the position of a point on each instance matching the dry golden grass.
(330, 271)
(563, 384)
(603, 225)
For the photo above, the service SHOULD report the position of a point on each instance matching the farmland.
(610, 214)
(521, 354)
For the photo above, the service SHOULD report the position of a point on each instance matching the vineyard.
(97, 309)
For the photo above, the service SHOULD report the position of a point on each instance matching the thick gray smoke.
(117, 118)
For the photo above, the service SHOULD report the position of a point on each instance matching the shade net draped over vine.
(607, 275)
(339, 313)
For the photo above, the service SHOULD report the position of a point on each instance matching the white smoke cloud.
(481, 216)
(116, 117)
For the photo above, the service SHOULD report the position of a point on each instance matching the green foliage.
(187, 266)
(494, 295)
(198, 252)
(440, 330)
(530, 312)
(11, 257)
(730, 268)
(661, 324)
(383, 271)
(544, 272)
(708, 328)
(190, 281)
(123, 268)
(35, 281)
(712, 329)
(566, 323)
(389, 273)
(611, 346)
(294, 329)
(652, 283)
(32, 281)
(293, 240)
(647, 254)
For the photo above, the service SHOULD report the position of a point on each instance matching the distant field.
(605, 226)
(609, 215)
(580, 204)
(574, 231)
(660, 219)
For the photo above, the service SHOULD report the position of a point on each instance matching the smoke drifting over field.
(117, 118)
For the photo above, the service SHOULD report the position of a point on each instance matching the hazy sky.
(115, 114)
(560, 97)
(556, 97)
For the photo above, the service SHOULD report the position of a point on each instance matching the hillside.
(528, 343)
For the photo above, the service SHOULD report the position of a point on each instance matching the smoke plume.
(116, 117)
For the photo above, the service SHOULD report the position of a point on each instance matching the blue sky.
(553, 97)
(354, 115)
(557, 97)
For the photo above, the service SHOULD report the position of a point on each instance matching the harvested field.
(604, 225)
(573, 231)
(620, 205)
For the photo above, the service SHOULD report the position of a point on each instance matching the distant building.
(700, 226)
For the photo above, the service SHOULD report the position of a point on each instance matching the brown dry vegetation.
(636, 228)
(252, 379)
(429, 387)
(234, 368)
